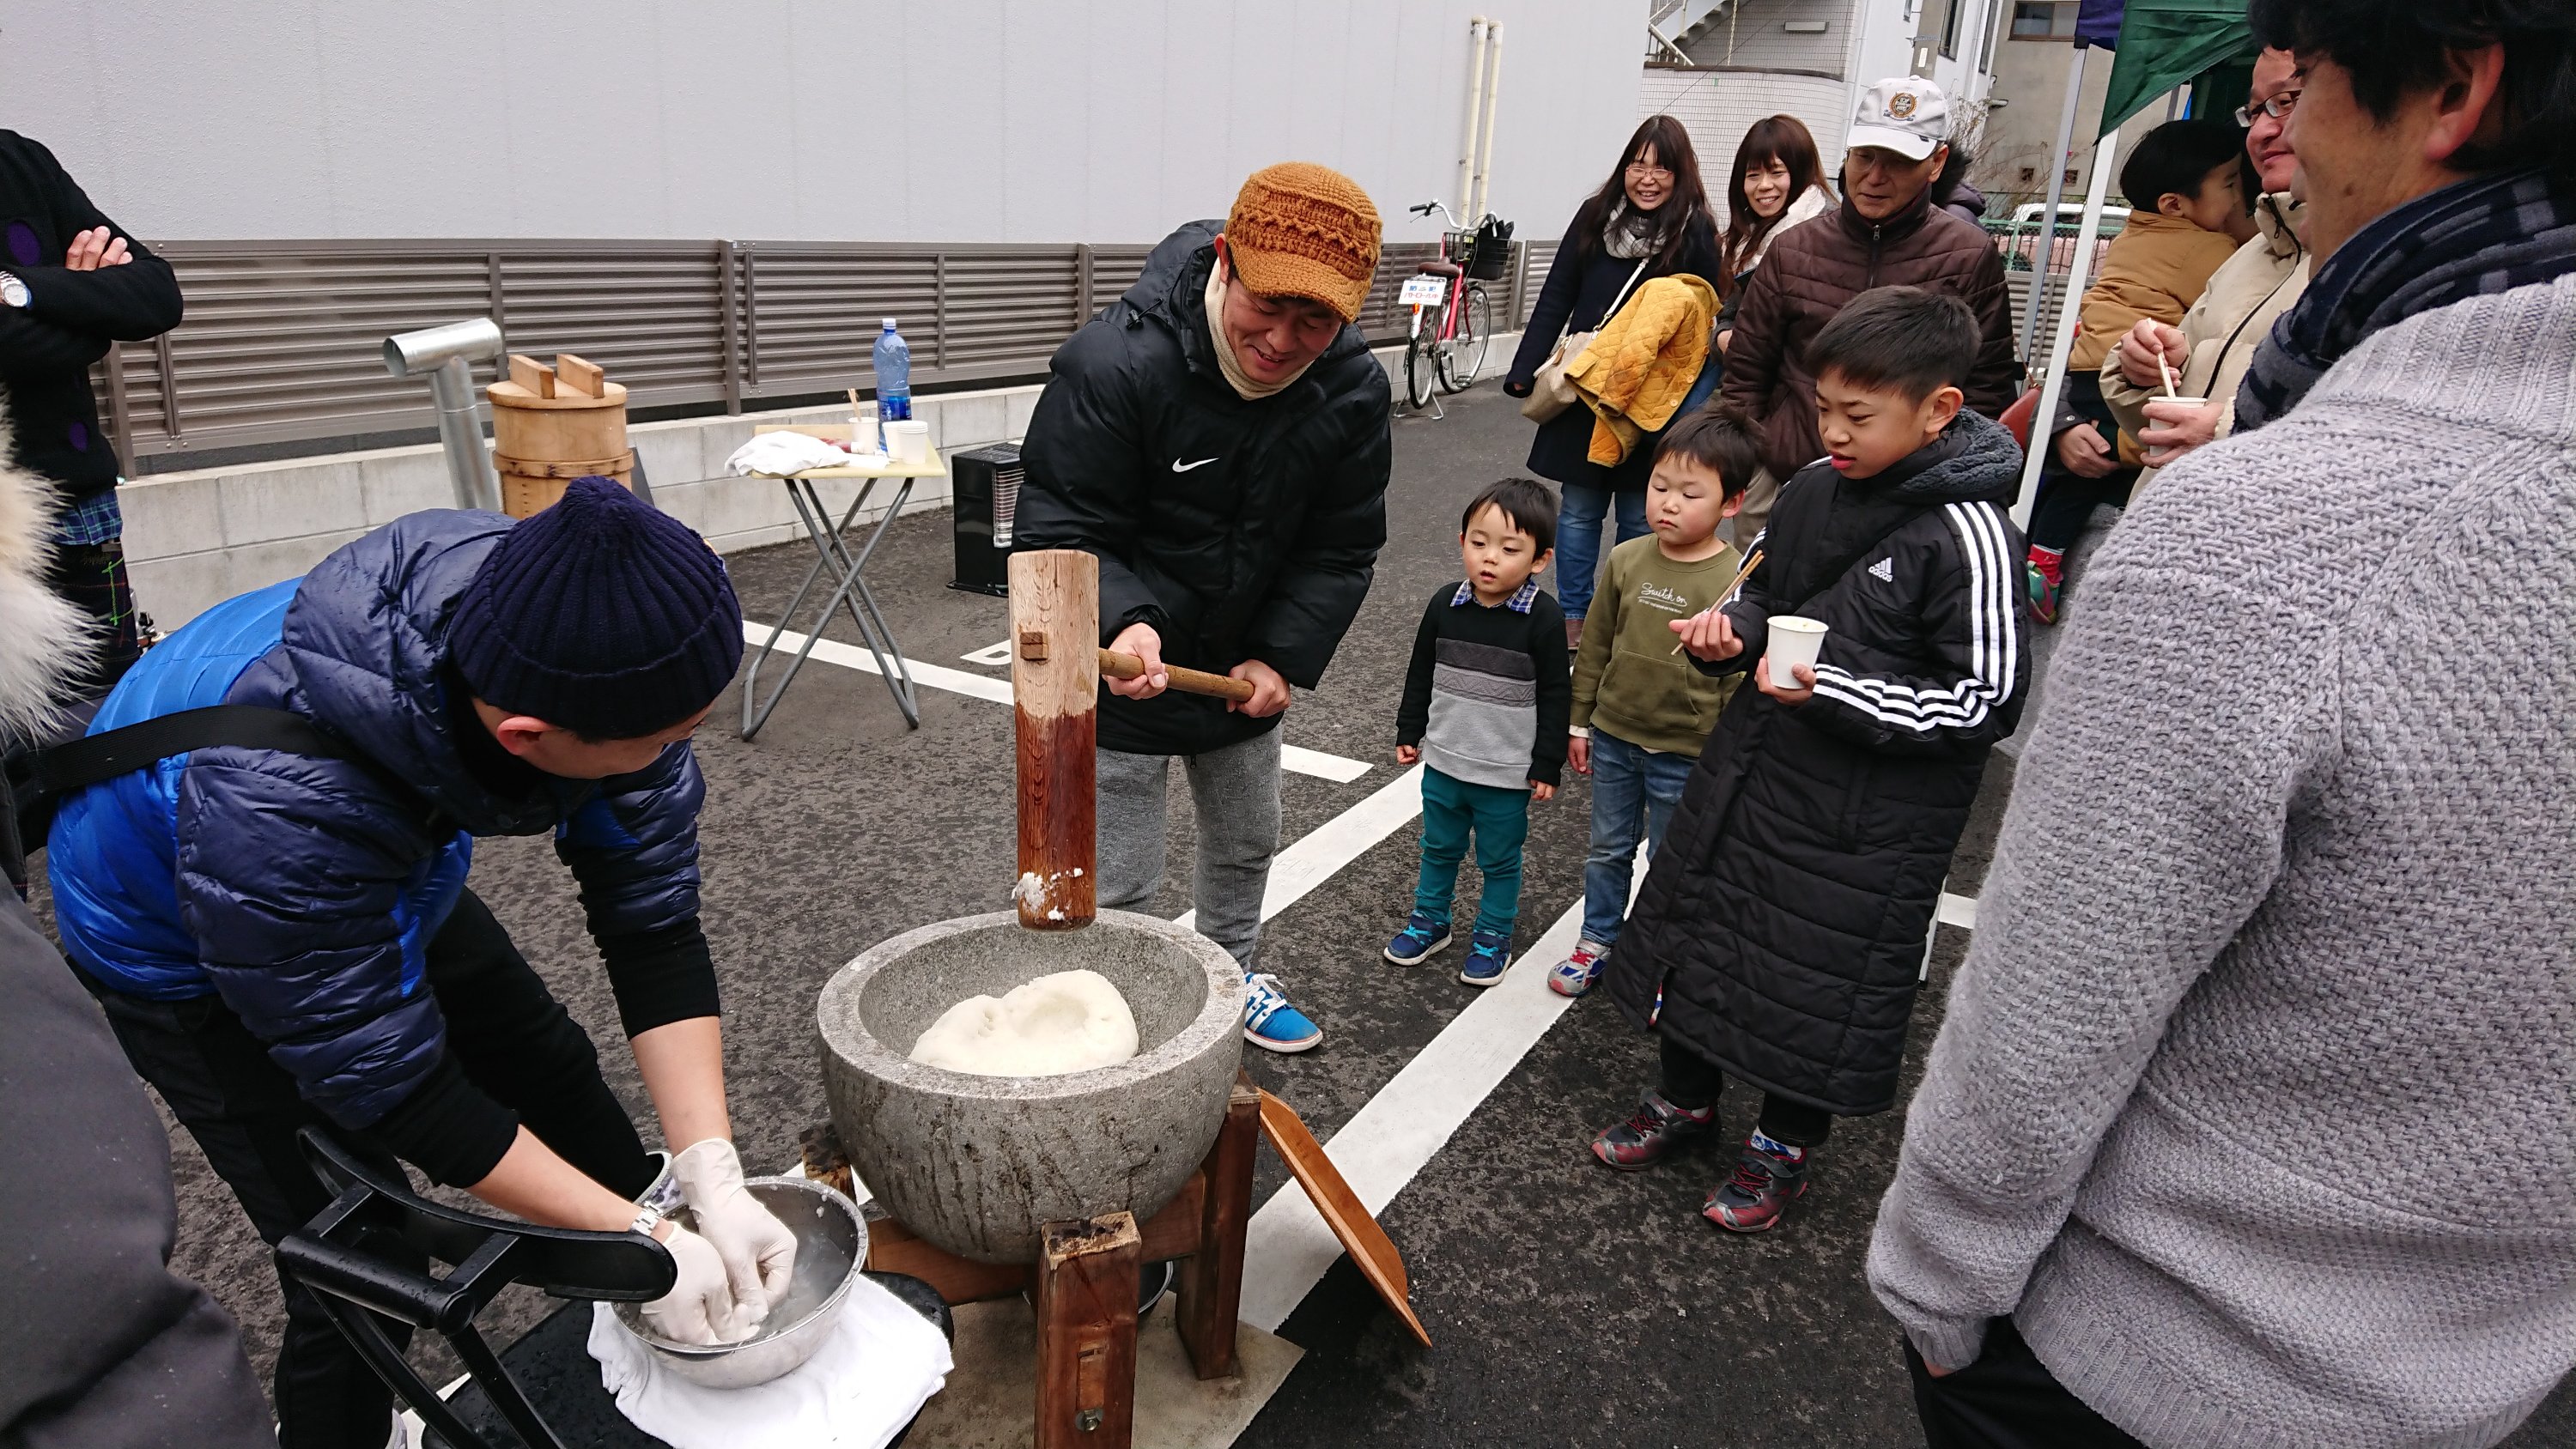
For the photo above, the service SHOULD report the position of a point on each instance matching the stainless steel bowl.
(831, 1247)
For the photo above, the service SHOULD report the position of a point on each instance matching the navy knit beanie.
(601, 614)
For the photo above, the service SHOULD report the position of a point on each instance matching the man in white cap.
(1886, 233)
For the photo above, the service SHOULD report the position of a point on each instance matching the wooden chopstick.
(1732, 585)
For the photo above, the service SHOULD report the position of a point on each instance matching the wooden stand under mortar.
(551, 425)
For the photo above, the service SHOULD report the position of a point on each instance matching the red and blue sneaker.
(1654, 1129)
(1767, 1179)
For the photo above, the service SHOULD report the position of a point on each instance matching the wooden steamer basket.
(551, 425)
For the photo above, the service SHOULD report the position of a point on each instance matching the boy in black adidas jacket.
(1782, 930)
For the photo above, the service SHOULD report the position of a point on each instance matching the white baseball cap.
(1907, 115)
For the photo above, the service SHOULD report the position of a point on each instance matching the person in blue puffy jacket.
(285, 939)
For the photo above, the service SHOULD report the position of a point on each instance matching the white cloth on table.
(779, 454)
(881, 1364)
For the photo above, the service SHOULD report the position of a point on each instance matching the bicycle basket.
(1491, 251)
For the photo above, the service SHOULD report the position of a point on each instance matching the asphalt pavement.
(1571, 1305)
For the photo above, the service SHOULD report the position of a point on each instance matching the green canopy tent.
(2162, 44)
(2167, 43)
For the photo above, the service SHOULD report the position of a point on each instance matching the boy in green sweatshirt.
(1640, 710)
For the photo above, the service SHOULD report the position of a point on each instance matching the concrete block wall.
(196, 538)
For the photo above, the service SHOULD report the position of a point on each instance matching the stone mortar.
(978, 1164)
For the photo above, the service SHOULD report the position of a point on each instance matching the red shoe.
(1655, 1128)
(1764, 1185)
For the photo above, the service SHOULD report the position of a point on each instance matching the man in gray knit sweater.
(2253, 1118)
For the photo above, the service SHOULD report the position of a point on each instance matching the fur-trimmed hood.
(41, 635)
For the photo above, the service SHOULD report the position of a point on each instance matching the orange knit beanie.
(1302, 230)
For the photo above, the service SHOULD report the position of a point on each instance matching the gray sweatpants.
(1235, 794)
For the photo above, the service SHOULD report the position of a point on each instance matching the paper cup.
(863, 430)
(1794, 641)
(908, 441)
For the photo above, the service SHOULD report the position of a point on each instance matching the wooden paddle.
(1367, 1243)
(1187, 681)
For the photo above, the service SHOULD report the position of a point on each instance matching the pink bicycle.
(1453, 317)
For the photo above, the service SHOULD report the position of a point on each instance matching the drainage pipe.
(1485, 143)
(447, 355)
(1475, 102)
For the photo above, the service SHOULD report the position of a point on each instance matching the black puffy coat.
(1782, 929)
(1581, 284)
(1239, 530)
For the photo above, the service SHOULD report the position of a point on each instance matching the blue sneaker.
(1420, 937)
(1269, 1021)
(1488, 954)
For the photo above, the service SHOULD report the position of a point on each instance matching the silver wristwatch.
(13, 292)
(647, 1218)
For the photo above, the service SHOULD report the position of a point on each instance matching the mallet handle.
(1187, 681)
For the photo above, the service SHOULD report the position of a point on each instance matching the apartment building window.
(1950, 17)
(2050, 20)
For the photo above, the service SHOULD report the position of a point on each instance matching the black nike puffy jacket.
(1781, 930)
(1239, 530)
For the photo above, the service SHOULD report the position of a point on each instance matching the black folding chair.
(353, 1258)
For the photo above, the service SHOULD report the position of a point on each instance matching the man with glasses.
(2252, 1120)
(2211, 350)
(1886, 233)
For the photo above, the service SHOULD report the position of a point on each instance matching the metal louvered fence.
(282, 343)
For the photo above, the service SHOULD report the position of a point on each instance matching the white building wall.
(936, 120)
(1718, 107)
(1756, 33)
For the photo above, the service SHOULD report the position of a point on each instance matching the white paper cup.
(1794, 641)
(908, 441)
(863, 430)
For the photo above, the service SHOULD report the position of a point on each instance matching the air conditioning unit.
(984, 496)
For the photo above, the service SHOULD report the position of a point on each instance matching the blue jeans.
(1633, 789)
(1578, 539)
(1452, 810)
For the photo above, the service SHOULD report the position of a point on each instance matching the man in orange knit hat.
(1218, 436)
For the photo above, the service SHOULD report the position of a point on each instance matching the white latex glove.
(759, 1253)
(700, 1306)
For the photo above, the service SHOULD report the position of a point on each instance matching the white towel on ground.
(881, 1364)
(779, 454)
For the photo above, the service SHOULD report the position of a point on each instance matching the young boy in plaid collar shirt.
(1484, 712)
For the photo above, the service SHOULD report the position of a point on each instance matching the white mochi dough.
(1072, 1021)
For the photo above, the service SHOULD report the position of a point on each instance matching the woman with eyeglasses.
(1649, 220)
(2214, 345)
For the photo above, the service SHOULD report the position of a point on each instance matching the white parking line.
(1336, 768)
(1397, 1132)
(1337, 842)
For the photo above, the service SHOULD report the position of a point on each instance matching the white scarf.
(1245, 385)
(1810, 203)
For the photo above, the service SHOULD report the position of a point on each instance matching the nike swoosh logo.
(1180, 467)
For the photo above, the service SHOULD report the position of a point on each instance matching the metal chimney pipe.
(1485, 146)
(1476, 29)
(447, 354)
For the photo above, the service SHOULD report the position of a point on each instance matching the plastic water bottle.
(894, 376)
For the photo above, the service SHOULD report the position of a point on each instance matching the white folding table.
(833, 555)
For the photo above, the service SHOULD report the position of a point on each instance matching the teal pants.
(1498, 819)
